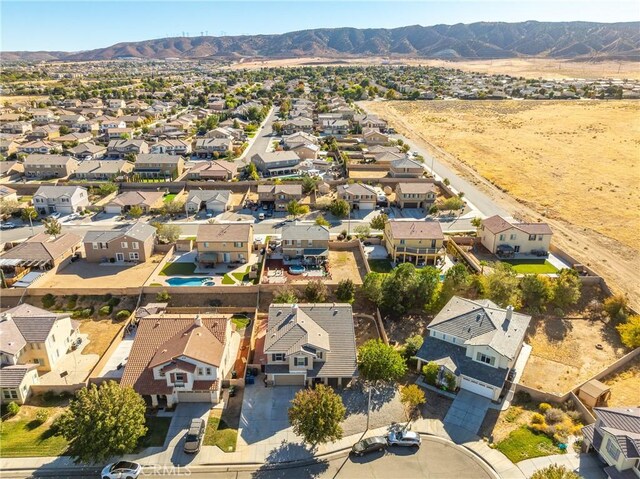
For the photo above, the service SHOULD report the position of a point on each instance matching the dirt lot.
(545, 161)
(625, 385)
(345, 265)
(101, 333)
(91, 275)
(399, 329)
(359, 174)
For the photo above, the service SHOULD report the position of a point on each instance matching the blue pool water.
(296, 269)
(186, 281)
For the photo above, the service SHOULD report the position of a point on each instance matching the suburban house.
(615, 437)
(99, 170)
(8, 194)
(180, 358)
(370, 121)
(476, 342)
(37, 147)
(279, 195)
(115, 133)
(418, 242)
(297, 125)
(212, 147)
(33, 335)
(11, 168)
(276, 163)
(217, 170)
(224, 243)
(384, 154)
(45, 132)
(406, 168)
(8, 147)
(293, 141)
(133, 243)
(307, 241)
(88, 151)
(17, 128)
(60, 199)
(146, 200)
(415, 195)
(372, 136)
(306, 344)
(358, 195)
(214, 201)
(307, 151)
(121, 148)
(171, 147)
(74, 137)
(506, 238)
(49, 166)
(16, 381)
(159, 166)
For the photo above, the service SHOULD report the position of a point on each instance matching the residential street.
(261, 141)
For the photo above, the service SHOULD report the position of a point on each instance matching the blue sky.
(88, 24)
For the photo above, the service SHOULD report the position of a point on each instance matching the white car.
(122, 470)
(404, 438)
(55, 216)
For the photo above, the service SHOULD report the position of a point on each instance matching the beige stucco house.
(418, 242)
(133, 243)
(224, 243)
(415, 195)
(504, 237)
(307, 241)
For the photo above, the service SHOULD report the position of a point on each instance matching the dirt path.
(616, 263)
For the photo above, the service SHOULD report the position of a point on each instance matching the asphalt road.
(261, 140)
(434, 460)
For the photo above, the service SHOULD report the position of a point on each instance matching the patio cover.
(208, 257)
(23, 262)
(27, 280)
(315, 252)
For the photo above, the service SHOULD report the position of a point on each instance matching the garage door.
(477, 387)
(288, 379)
(411, 205)
(367, 205)
(194, 396)
(112, 210)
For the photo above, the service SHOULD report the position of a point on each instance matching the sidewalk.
(587, 464)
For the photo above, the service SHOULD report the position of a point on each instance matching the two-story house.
(279, 195)
(97, 170)
(133, 243)
(506, 238)
(276, 163)
(224, 243)
(159, 166)
(88, 151)
(373, 136)
(217, 170)
(406, 168)
(49, 166)
(171, 147)
(212, 201)
(121, 148)
(180, 358)
(615, 437)
(37, 147)
(307, 344)
(297, 139)
(358, 195)
(418, 242)
(477, 342)
(305, 240)
(60, 199)
(212, 147)
(295, 125)
(415, 195)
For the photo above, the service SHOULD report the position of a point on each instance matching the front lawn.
(21, 436)
(380, 265)
(169, 198)
(176, 269)
(523, 444)
(532, 266)
(157, 431)
(218, 433)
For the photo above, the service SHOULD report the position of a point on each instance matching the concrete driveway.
(182, 416)
(119, 356)
(467, 411)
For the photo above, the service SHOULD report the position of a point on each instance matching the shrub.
(113, 302)
(163, 296)
(49, 396)
(430, 372)
(13, 408)
(123, 314)
(544, 407)
(541, 428)
(616, 306)
(105, 310)
(537, 418)
(554, 415)
(412, 345)
(450, 379)
(315, 291)
(72, 301)
(346, 291)
(41, 416)
(575, 416)
(83, 313)
(48, 300)
(522, 397)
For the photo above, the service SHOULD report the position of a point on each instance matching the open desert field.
(575, 163)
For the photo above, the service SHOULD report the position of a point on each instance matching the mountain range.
(484, 40)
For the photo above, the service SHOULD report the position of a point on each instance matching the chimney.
(509, 313)
(294, 308)
(198, 320)
(6, 316)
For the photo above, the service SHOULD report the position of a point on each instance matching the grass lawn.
(169, 198)
(157, 433)
(22, 437)
(226, 279)
(174, 269)
(240, 321)
(532, 266)
(219, 434)
(242, 276)
(524, 444)
(380, 265)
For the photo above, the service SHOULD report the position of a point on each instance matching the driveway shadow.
(287, 452)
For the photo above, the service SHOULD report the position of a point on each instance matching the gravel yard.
(385, 409)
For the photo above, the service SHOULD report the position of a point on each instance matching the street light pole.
(31, 224)
(433, 174)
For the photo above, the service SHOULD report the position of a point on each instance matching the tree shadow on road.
(291, 461)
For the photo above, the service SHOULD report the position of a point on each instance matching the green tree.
(29, 213)
(630, 332)
(339, 208)
(456, 281)
(172, 208)
(64, 130)
(9, 207)
(427, 282)
(503, 285)
(102, 422)
(372, 287)
(362, 231)
(252, 172)
(555, 471)
(52, 226)
(453, 203)
(411, 346)
(412, 397)
(378, 222)
(167, 232)
(130, 157)
(135, 212)
(567, 288)
(430, 372)
(107, 188)
(315, 291)
(380, 362)
(277, 127)
(321, 221)
(537, 291)
(616, 307)
(295, 209)
(476, 222)
(346, 291)
(399, 289)
(310, 184)
(316, 414)
(285, 295)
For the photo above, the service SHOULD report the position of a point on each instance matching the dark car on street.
(370, 444)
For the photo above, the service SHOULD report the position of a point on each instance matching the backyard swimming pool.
(296, 269)
(190, 281)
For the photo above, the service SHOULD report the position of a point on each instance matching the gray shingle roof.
(12, 376)
(623, 423)
(208, 195)
(34, 323)
(301, 231)
(139, 231)
(58, 191)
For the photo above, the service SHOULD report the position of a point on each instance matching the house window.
(612, 449)
(95, 245)
(179, 378)
(14, 394)
(319, 354)
(402, 241)
(161, 374)
(135, 245)
(300, 361)
(6, 394)
(208, 371)
(124, 245)
(532, 237)
(206, 244)
(539, 237)
(237, 244)
(134, 256)
(501, 237)
(512, 237)
(483, 358)
(277, 357)
(200, 371)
